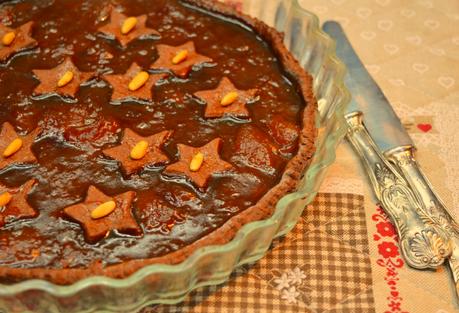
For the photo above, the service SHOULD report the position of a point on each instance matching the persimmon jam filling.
(190, 140)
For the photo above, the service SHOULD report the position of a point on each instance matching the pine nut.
(103, 210)
(180, 57)
(229, 98)
(196, 162)
(139, 150)
(128, 25)
(138, 81)
(5, 198)
(65, 79)
(13, 147)
(8, 38)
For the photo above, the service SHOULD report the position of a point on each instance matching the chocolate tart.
(147, 147)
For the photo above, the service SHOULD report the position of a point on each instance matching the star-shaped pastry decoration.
(199, 163)
(226, 100)
(126, 29)
(65, 79)
(121, 84)
(14, 204)
(16, 149)
(96, 228)
(179, 59)
(148, 149)
(15, 40)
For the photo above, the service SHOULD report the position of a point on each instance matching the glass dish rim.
(8, 290)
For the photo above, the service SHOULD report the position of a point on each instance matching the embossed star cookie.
(136, 152)
(100, 214)
(179, 59)
(134, 84)
(127, 28)
(226, 100)
(14, 204)
(199, 164)
(16, 149)
(14, 40)
(64, 79)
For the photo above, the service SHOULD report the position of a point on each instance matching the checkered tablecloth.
(323, 264)
(343, 255)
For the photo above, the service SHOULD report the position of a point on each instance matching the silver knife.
(428, 233)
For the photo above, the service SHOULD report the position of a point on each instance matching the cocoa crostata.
(136, 132)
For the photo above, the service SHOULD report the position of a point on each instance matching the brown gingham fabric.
(321, 266)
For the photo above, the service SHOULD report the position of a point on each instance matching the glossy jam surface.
(171, 213)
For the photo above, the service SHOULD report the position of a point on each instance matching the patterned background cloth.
(323, 264)
(343, 254)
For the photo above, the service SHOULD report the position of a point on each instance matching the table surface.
(343, 254)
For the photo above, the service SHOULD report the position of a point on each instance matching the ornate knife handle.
(403, 158)
(423, 243)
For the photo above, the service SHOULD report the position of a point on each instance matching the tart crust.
(261, 210)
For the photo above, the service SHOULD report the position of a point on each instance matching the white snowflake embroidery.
(296, 276)
(291, 295)
(282, 282)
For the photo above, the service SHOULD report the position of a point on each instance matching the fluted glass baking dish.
(213, 264)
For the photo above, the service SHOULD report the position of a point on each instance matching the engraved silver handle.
(453, 262)
(423, 243)
(403, 158)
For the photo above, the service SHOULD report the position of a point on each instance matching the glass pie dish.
(212, 265)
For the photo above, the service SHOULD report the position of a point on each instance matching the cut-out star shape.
(24, 155)
(212, 163)
(49, 79)
(113, 28)
(154, 156)
(213, 98)
(121, 219)
(120, 85)
(182, 69)
(22, 40)
(18, 207)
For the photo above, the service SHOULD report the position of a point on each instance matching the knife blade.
(380, 119)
